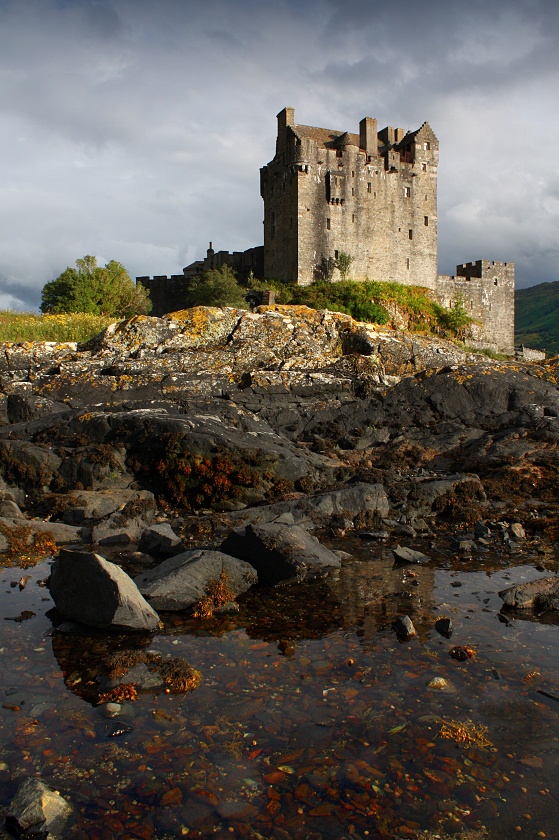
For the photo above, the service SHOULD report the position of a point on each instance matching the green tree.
(217, 287)
(97, 290)
(343, 264)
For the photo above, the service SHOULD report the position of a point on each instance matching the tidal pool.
(312, 719)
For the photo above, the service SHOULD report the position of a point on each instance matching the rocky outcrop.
(283, 410)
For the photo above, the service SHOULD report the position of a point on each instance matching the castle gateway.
(372, 196)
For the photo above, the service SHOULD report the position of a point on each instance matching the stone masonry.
(371, 195)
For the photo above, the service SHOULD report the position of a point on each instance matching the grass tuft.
(26, 326)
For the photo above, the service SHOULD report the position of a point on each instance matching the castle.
(372, 196)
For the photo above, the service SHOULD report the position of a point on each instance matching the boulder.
(181, 581)
(536, 594)
(160, 539)
(87, 588)
(37, 811)
(280, 552)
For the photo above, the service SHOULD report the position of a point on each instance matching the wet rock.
(517, 532)
(181, 581)
(99, 504)
(404, 628)
(110, 710)
(541, 594)
(37, 811)
(481, 531)
(160, 539)
(280, 552)
(87, 588)
(139, 675)
(60, 534)
(464, 546)
(402, 554)
(445, 627)
(438, 684)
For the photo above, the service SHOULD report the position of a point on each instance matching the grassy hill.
(537, 317)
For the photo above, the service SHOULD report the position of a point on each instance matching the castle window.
(424, 167)
(408, 263)
(353, 190)
(426, 147)
(353, 217)
(336, 254)
(374, 195)
(339, 153)
(410, 234)
(352, 174)
(327, 224)
(495, 281)
(369, 187)
(426, 220)
(407, 192)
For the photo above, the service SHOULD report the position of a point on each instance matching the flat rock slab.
(87, 588)
(280, 552)
(402, 554)
(160, 539)
(61, 534)
(36, 810)
(540, 594)
(180, 581)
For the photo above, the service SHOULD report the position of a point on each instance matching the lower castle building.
(369, 198)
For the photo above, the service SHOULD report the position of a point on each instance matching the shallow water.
(312, 720)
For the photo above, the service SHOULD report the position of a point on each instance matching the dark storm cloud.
(135, 129)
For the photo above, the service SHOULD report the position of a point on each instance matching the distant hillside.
(537, 317)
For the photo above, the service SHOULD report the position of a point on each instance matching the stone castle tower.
(372, 195)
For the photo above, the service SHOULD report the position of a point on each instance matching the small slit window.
(407, 192)
(408, 263)
(410, 234)
(336, 254)
(369, 187)
(327, 224)
(426, 221)
(495, 281)
(424, 167)
(353, 217)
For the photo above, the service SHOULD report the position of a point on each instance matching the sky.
(134, 130)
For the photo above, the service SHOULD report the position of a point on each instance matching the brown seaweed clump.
(125, 691)
(179, 676)
(24, 548)
(218, 593)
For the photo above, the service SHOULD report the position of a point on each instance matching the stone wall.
(487, 289)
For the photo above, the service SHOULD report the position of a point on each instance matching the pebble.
(110, 710)
(438, 684)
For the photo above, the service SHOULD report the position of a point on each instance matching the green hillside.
(537, 317)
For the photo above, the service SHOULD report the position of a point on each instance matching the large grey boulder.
(280, 552)
(37, 811)
(89, 589)
(179, 582)
(540, 594)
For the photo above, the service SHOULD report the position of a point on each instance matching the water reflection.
(312, 720)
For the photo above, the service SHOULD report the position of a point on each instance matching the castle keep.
(372, 196)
